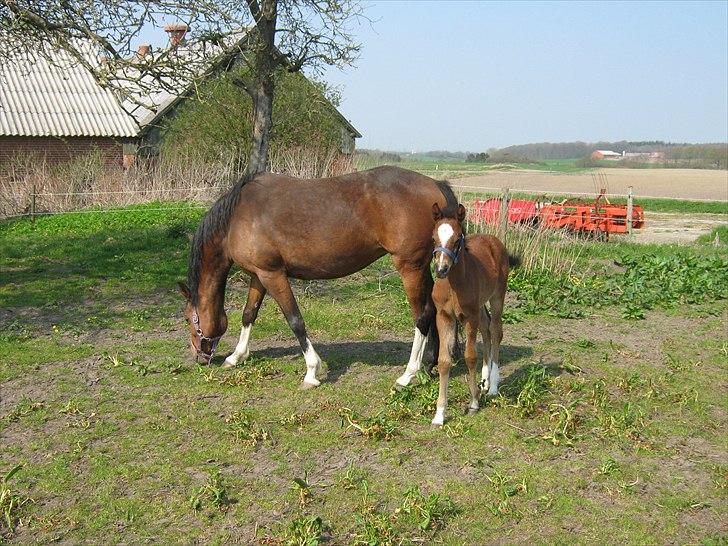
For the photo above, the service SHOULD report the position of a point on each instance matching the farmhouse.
(56, 110)
(605, 154)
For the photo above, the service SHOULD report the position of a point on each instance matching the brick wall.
(58, 150)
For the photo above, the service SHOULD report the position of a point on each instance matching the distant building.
(605, 154)
(645, 157)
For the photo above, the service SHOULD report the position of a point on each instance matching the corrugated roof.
(58, 98)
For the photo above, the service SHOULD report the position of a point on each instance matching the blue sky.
(473, 75)
(467, 76)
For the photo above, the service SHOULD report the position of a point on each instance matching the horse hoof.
(307, 385)
(493, 392)
(436, 423)
(473, 411)
(228, 364)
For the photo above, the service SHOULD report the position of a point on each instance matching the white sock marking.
(313, 360)
(415, 361)
(485, 377)
(242, 351)
(439, 417)
(494, 379)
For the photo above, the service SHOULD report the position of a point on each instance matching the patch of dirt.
(664, 183)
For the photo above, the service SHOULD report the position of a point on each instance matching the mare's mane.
(451, 202)
(215, 222)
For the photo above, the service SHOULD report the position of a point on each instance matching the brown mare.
(275, 227)
(471, 271)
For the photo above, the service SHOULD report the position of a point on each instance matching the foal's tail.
(514, 261)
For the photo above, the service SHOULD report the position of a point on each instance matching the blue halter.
(454, 256)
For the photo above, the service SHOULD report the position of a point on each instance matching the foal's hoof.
(308, 384)
(436, 424)
(473, 411)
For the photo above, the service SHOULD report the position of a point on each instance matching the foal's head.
(449, 239)
(204, 333)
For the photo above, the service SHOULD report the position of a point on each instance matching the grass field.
(610, 427)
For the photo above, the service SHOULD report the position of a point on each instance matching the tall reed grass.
(88, 181)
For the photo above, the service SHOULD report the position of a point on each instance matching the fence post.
(630, 201)
(503, 215)
(32, 203)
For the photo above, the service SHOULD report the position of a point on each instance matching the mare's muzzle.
(213, 341)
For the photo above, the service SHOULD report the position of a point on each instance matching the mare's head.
(449, 239)
(205, 333)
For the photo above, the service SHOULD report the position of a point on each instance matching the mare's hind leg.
(446, 328)
(280, 289)
(256, 293)
(496, 336)
(485, 333)
(418, 285)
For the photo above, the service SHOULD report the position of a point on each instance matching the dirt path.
(668, 183)
(675, 227)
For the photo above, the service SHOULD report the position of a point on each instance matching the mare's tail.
(514, 261)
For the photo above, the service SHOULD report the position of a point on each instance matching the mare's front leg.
(446, 328)
(280, 289)
(256, 293)
(418, 284)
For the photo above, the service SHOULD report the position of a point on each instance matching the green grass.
(600, 419)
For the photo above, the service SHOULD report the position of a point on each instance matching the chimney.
(176, 32)
(143, 50)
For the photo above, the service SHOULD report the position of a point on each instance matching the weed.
(24, 407)
(303, 489)
(608, 467)
(429, 512)
(378, 427)
(246, 430)
(585, 343)
(506, 487)
(720, 477)
(374, 529)
(213, 491)
(352, 477)
(633, 311)
(415, 400)
(305, 531)
(528, 388)
(10, 502)
(564, 422)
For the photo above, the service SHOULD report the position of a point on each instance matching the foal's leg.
(471, 356)
(485, 333)
(418, 284)
(256, 293)
(446, 328)
(496, 336)
(280, 289)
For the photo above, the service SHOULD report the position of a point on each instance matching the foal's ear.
(436, 212)
(185, 291)
(461, 213)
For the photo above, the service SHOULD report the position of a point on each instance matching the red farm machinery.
(597, 218)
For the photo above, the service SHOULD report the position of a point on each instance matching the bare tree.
(263, 35)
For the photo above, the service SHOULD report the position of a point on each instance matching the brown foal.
(471, 271)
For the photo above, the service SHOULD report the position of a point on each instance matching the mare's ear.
(436, 212)
(185, 291)
(461, 213)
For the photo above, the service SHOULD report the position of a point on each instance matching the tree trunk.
(266, 18)
(262, 122)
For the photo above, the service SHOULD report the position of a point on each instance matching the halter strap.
(454, 256)
(202, 337)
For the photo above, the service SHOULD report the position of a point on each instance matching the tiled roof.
(59, 98)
